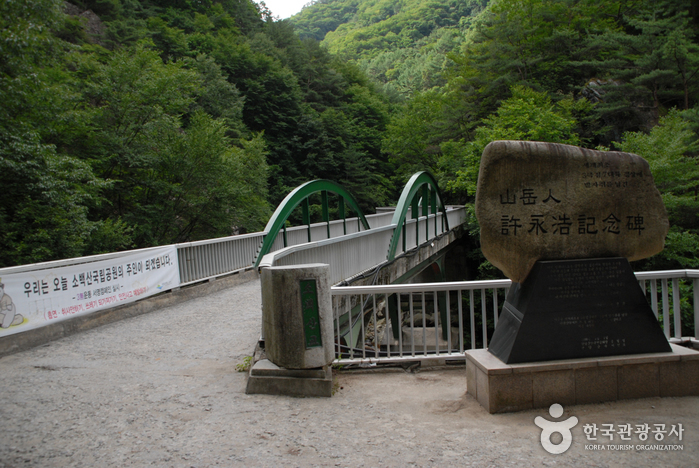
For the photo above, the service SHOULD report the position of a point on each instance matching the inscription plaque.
(546, 201)
(570, 309)
(311, 317)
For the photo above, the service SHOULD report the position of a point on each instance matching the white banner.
(37, 298)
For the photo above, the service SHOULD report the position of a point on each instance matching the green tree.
(43, 214)
(649, 62)
(529, 116)
(413, 136)
(379, 25)
(160, 134)
(671, 151)
(323, 17)
(536, 43)
(402, 45)
(217, 96)
(131, 94)
(682, 51)
(197, 185)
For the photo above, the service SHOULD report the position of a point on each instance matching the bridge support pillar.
(298, 327)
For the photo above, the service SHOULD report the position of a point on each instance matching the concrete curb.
(31, 338)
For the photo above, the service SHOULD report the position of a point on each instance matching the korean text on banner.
(37, 298)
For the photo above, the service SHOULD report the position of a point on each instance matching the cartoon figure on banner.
(8, 311)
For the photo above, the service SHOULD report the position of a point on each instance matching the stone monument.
(597, 210)
(545, 201)
(563, 222)
(298, 327)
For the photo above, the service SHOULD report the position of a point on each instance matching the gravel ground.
(161, 390)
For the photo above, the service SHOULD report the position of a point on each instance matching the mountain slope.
(401, 44)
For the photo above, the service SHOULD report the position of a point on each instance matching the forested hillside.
(143, 122)
(403, 45)
(131, 123)
(618, 75)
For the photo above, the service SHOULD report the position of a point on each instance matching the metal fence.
(298, 235)
(355, 253)
(393, 323)
(206, 259)
(673, 297)
(214, 257)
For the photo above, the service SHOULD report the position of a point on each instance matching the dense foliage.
(145, 122)
(137, 123)
(403, 45)
(595, 74)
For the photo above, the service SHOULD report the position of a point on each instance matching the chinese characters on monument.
(545, 201)
(562, 223)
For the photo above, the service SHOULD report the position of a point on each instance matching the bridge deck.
(162, 389)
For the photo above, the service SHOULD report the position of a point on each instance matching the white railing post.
(677, 315)
(666, 309)
(695, 288)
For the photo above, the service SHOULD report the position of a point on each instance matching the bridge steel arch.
(422, 185)
(300, 196)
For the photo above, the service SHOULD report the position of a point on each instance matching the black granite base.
(571, 309)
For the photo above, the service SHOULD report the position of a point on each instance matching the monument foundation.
(570, 309)
(562, 223)
(297, 319)
(502, 388)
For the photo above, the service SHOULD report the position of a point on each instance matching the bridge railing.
(210, 258)
(205, 259)
(319, 231)
(196, 262)
(441, 320)
(347, 255)
(673, 297)
(358, 252)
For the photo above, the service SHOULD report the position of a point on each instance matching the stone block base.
(502, 388)
(269, 379)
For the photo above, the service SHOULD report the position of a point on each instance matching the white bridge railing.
(355, 253)
(442, 320)
(206, 259)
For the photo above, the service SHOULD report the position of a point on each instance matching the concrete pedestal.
(501, 387)
(269, 379)
(297, 316)
(298, 331)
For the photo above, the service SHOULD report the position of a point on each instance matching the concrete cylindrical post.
(297, 316)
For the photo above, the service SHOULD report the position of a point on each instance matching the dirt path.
(161, 390)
